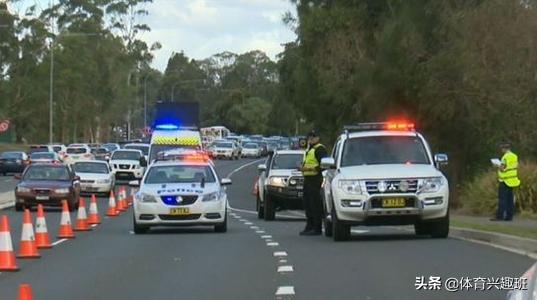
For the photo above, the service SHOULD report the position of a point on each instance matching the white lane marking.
(243, 220)
(266, 236)
(280, 253)
(131, 232)
(242, 167)
(268, 240)
(285, 291)
(260, 231)
(248, 223)
(272, 244)
(58, 242)
(359, 231)
(283, 261)
(254, 227)
(242, 210)
(94, 225)
(297, 213)
(282, 269)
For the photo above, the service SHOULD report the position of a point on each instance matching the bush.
(480, 197)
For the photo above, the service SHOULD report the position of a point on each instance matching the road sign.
(4, 126)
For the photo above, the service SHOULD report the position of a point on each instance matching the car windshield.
(144, 149)
(47, 173)
(376, 150)
(126, 155)
(16, 155)
(159, 150)
(42, 155)
(57, 148)
(110, 147)
(91, 167)
(287, 161)
(179, 174)
(99, 151)
(251, 146)
(224, 145)
(76, 150)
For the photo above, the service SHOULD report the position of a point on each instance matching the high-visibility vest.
(510, 174)
(310, 161)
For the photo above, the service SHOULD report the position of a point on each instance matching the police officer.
(311, 169)
(508, 179)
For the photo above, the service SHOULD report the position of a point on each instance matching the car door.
(329, 176)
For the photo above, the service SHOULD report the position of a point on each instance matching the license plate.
(393, 202)
(75, 156)
(179, 211)
(89, 188)
(42, 198)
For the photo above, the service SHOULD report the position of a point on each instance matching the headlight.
(61, 191)
(146, 198)
(350, 186)
(211, 197)
(103, 181)
(277, 181)
(23, 190)
(431, 185)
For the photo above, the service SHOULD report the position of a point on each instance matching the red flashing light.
(400, 126)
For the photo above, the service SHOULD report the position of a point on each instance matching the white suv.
(384, 174)
(128, 164)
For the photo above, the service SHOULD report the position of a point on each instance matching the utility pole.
(51, 88)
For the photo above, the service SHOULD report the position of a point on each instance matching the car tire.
(260, 208)
(221, 228)
(139, 229)
(269, 209)
(440, 229)
(19, 206)
(340, 232)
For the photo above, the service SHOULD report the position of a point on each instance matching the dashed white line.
(285, 291)
(266, 236)
(272, 244)
(260, 231)
(280, 253)
(58, 242)
(254, 227)
(282, 269)
(243, 220)
(282, 261)
(248, 223)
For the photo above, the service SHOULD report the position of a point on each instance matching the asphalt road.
(7, 183)
(196, 263)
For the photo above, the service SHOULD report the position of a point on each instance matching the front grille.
(173, 200)
(377, 203)
(299, 181)
(179, 218)
(391, 186)
(41, 192)
(124, 167)
(87, 181)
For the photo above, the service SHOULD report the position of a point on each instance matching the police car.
(185, 192)
(384, 174)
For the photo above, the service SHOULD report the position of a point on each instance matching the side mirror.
(134, 183)
(262, 168)
(441, 159)
(328, 163)
(225, 181)
(17, 176)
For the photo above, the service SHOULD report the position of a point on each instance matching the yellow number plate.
(393, 202)
(179, 211)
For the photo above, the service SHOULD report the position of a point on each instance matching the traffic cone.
(28, 246)
(122, 204)
(112, 211)
(94, 217)
(82, 218)
(42, 238)
(25, 292)
(66, 230)
(7, 256)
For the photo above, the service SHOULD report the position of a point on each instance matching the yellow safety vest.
(510, 174)
(310, 161)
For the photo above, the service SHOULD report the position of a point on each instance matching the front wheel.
(440, 229)
(340, 232)
(139, 229)
(221, 228)
(270, 209)
(260, 208)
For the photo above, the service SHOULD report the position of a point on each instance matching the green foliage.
(480, 196)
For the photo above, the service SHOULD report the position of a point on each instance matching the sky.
(202, 28)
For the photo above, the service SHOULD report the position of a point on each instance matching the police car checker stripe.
(186, 141)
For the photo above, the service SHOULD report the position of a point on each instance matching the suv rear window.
(76, 150)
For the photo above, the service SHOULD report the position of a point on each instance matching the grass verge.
(519, 231)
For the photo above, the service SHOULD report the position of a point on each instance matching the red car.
(47, 184)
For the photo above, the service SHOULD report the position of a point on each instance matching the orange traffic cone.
(28, 246)
(42, 238)
(66, 230)
(7, 256)
(94, 217)
(25, 292)
(122, 204)
(112, 211)
(82, 217)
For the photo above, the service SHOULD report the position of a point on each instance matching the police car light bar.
(379, 126)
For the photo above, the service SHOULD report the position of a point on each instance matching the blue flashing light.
(167, 127)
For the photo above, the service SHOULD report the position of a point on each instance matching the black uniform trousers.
(313, 205)
(506, 203)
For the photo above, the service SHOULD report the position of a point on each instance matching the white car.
(74, 154)
(44, 157)
(139, 146)
(384, 174)
(128, 164)
(225, 149)
(95, 176)
(60, 149)
(180, 193)
(251, 150)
